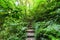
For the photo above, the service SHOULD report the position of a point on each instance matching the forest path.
(30, 33)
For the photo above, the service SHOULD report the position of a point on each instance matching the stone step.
(30, 34)
(30, 30)
(30, 38)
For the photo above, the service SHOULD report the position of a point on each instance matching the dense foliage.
(15, 16)
(47, 24)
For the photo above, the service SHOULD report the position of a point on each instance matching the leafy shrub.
(13, 29)
(47, 30)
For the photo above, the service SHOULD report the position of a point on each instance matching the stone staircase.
(30, 34)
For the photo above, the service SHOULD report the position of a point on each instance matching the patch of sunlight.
(17, 3)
